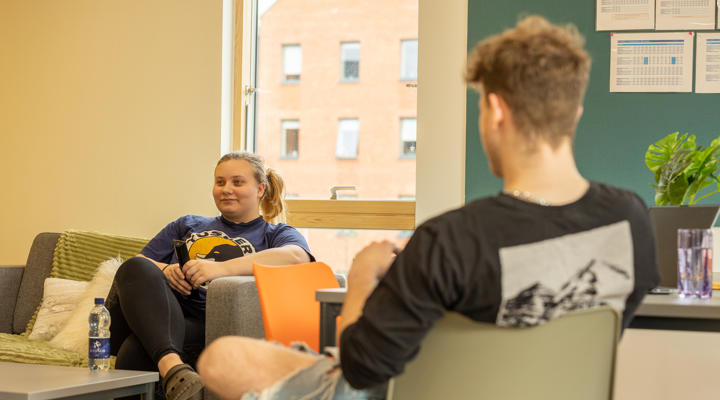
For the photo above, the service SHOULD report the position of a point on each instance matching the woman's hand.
(198, 272)
(176, 279)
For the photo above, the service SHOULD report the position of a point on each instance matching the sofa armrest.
(233, 308)
(10, 278)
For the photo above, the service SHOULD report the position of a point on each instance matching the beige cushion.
(74, 335)
(59, 299)
(77, 255)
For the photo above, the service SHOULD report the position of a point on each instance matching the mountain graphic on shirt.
(538, 303)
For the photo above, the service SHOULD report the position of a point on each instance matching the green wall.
(616, 128)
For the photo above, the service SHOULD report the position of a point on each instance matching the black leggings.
(148, 321)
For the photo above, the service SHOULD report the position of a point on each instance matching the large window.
(292, 63)
(307, 69)
(350, 61)
(290, 137)
(408, 60)
(347, 139)
(408, 137)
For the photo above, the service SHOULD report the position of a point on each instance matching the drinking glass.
(695, 263)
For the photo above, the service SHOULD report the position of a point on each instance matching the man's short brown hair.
(541, 71)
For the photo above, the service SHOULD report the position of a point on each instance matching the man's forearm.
(358, 291)
(369, 265)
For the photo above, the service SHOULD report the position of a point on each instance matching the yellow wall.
(109, 115)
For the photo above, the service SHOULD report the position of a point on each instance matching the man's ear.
(580, 111)
(498, 108)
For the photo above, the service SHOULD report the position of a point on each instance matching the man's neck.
(545, 173)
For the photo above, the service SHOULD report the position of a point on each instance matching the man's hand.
(369, 265)
(176, 279)
(373, 261)
(198, 272)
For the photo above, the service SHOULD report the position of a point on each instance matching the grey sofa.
(233, 306)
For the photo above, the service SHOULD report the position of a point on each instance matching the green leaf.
(672, 182)
(682, 169)
(661, 151)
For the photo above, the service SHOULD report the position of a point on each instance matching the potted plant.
(682, 169)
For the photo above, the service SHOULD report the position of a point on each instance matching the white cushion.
(59, 299)
(74, 335)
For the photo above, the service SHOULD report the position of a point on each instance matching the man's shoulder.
(473, 214)
(604, 189)
(623, 200)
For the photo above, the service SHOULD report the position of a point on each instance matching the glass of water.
(695, 263)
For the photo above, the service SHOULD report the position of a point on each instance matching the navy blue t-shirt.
(218, 239)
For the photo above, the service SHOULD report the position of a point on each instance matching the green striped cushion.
(79, 253)
(16, 348)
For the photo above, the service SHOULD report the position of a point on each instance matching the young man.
(549, 243)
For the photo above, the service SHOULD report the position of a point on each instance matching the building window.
(292, 63)
(408, 137)
(347, 139)
(408, 60)
(290, 133)
(349, 61)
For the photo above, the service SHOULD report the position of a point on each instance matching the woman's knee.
(137, 268)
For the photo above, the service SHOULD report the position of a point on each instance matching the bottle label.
(99, 348)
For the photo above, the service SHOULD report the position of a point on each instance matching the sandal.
(182, 383)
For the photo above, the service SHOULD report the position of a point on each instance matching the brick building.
(334, 106)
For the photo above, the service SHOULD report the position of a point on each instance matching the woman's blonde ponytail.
(272, 204)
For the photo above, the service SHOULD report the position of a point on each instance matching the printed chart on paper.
(651, 62)
(615, 15)
(707, 65)
(685, 14)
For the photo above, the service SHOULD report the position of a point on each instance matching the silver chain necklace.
(527, 196)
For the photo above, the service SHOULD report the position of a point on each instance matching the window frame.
(403, 61)
(292, 81)
(283, 141)
(357, 139)
(343, 78)
(404, 155)
(301, 213)
(351, 214)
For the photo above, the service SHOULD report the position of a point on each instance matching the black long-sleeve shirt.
(506, 261)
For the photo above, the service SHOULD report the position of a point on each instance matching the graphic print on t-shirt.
(544, 280)
(217, 246)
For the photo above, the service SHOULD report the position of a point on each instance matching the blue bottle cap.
(99, 300)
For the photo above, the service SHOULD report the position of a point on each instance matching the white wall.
(442, 40)
(109, 115)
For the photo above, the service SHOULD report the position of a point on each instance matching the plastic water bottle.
(99, 337)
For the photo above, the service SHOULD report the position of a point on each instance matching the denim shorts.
(321, 381)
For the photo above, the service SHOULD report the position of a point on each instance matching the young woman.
(158, 320)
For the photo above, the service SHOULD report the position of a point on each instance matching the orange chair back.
(287, 299)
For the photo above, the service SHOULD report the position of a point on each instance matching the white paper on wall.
(615, 15)
(651, 62)
(685, 14)
(707, 63)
